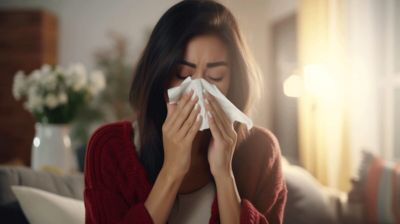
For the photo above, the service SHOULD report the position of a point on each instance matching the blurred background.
(331, 71)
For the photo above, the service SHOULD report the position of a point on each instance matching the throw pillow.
(41, 207)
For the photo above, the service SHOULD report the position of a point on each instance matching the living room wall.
(83, 28)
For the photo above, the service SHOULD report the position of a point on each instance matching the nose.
(199, 74)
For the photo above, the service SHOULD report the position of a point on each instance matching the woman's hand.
(224, 138)
(179, 129)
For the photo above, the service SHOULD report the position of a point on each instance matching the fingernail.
(209, 114)
(196, 106)
(198, 117)
(188, 93)
(206, 101)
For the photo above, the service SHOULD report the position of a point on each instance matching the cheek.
(223, 86)
(174, 83)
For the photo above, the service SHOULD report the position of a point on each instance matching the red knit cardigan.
(116, 183)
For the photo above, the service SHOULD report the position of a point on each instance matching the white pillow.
(42, 207)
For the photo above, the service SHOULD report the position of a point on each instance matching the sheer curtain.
(342, 59)
(350, 64)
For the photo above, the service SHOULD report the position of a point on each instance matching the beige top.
(194, 207)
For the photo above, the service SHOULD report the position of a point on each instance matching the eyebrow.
(209, 65)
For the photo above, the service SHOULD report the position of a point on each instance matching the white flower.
(76, 77)
(62, 98)
(79, 68)
(60, 71)
(50, 81)
(33, 91)
(97, 82)
(35, 103)
(45, 69)
(19, 85)
(35, 76)
(51, 101)
(49, 87)
(34, 100)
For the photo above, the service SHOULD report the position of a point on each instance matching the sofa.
(308, 201)
(10, 210)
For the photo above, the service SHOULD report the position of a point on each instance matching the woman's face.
(205, 57)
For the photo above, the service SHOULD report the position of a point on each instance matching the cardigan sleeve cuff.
(139, 212)
(248, 213)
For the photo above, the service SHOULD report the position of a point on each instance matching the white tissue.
(198, 85)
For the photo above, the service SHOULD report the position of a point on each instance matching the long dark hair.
(159, 60)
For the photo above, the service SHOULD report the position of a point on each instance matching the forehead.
(206, 48)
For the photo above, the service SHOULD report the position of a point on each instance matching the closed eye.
(216, 79)
(179, 76)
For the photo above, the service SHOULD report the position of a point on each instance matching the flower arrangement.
(54, 94)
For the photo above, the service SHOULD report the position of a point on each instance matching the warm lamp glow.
(317, 80)
(293, 86)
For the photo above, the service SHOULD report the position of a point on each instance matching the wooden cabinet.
(28, 39)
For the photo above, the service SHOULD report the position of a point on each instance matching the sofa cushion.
(68, 185)
(10, 210)
(307, 201)
(41, 207)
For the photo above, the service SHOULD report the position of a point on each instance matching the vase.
(51, 149)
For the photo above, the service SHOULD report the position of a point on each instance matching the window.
(391, 83)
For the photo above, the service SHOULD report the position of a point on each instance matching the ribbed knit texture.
(116, 183)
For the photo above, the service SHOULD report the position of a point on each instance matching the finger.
(190, 121)
(171, 107)
(184, 114)
(222, 121)
(220, 113)
(175, 106)
(182, 103)
(195, 128)
(216, 133)
(229, 136)
(217, 120)
(217, 123)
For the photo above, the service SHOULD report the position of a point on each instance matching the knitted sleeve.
(105, 202)
(258, 169)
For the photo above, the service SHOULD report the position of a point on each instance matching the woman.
(160, 168)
